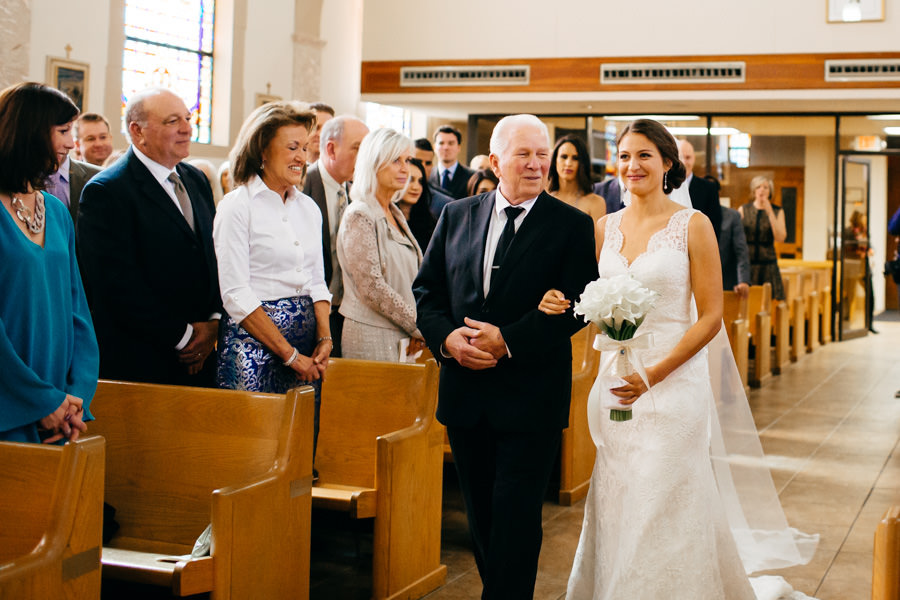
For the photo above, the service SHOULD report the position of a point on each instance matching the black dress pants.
(503, 476)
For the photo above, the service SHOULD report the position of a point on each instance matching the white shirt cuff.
(187, 337)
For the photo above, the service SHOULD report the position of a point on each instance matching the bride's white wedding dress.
(655, 526)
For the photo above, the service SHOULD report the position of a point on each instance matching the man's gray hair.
(505, 127)
(334, 129)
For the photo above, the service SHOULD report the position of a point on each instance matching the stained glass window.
(169, 43)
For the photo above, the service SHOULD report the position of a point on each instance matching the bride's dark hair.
(666, 145)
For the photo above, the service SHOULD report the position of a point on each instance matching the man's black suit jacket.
(458, 183)
(315, 189)
(553, 248)
(733, 250)
(610, 191)
(79, 174)
(705, 198)
(147, 274)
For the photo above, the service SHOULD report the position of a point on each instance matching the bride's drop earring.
(665, 180)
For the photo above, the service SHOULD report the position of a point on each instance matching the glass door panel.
(855, 278)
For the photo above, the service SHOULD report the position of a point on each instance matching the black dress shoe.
(872, 330)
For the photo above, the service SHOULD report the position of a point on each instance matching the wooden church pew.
(735, 313)
(51, 499)
(577, 451)
(180, 458)
(759, 309)
(380, 455)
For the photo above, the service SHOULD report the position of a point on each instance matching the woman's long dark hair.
(582, 175)
(28, 114)
(420, 221)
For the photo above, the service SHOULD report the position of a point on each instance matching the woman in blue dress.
(47, 345)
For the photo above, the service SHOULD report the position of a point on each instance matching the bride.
(655, 523)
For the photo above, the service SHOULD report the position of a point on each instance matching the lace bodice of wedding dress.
(654, 525)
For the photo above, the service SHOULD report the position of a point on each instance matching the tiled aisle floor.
(830, 427)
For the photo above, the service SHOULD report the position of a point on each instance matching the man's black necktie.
(445, 180)
(506, 238)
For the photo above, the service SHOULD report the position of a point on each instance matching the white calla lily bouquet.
(617, 305)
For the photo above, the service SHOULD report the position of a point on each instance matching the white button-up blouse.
(267, 248)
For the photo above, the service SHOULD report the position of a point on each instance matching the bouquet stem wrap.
(601, 398)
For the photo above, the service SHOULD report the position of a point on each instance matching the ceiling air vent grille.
(468, 75)
(862, 70)
(672, 72)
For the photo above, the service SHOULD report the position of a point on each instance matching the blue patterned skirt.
(245, 364)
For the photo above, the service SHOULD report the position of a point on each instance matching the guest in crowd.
(480, 161)
(451, 175)
(327, 183)
(209, 171)
(276, 333)
(67, 182)
(424, 151)
(112, 158)
(47, 344)
(224, 177)
(733, 254)
(570, 180)
(763, 226)
(481, 182)
(324, 113)
(611, 190)
(93, 141)
(702, 193)
(145, 241)
(415, 204)
(378, 253)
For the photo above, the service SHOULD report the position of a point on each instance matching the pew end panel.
(52, 501)
(782, 335)
(241, 461)
(735, 312)
(760, 323)
(886, 557)
(577, 451)
(380, 455)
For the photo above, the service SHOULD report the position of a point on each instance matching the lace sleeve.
(359, 243)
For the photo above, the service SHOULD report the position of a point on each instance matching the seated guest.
(415, 204)
(481, 182)
(570, 181)
(47, 344)
(424, 151)
(480, 161)
(378, 253)
(93, 142)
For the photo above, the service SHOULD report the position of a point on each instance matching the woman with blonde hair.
(378, 253)
(764, 225)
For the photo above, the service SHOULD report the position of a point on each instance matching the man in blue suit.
(451, 176)
(506, 367)
(147, 256)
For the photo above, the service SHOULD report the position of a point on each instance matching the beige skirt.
(368, 342)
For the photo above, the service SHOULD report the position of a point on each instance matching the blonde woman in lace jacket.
(378, 254)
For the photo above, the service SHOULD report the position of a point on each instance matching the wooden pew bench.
(51, 499)
(759, 310)
(577, 451)
(886, 557)
(380, 455)
(180, 458)
(735, 315)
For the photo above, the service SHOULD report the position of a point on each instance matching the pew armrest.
(185, 576)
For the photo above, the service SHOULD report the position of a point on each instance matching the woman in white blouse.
(378, 254)
(269, 249)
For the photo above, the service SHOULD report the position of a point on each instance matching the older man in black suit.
(506, 367)
(145, 236)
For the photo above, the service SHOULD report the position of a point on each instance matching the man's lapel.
(155, 194)
(479, 220)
